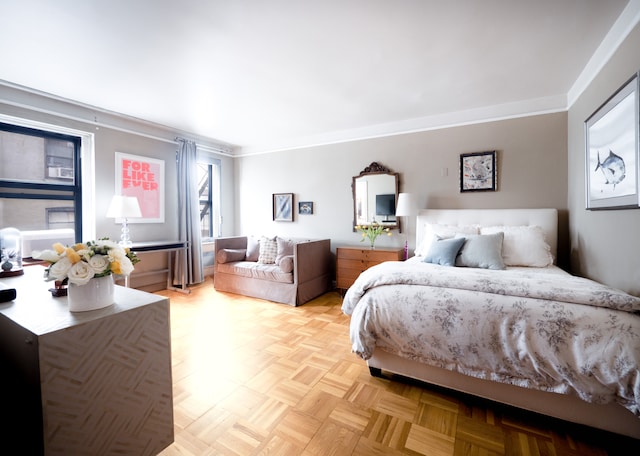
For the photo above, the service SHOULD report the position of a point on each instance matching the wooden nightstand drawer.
(376, 256)
(346, 277)
(360, 265)
(352, 261)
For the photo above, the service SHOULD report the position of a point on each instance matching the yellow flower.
(59, 248)
(372, 231)
(115, 267)
(72, 255)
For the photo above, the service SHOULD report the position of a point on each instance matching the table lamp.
(406, 207)
(124, 207)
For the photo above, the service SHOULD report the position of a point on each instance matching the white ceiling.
(270, 75)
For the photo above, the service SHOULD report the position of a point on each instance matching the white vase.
(95, 294)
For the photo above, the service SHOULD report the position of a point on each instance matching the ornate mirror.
(375, 195)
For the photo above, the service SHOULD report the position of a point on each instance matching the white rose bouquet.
(82, 262)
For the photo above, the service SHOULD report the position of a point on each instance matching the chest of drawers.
(351, 261)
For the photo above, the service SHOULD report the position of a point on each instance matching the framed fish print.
(283, 207)
(478, 172)
(612, 160)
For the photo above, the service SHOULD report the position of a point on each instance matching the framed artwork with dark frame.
(478, 172)
(612, 155)
(305, 207)
(283, 207)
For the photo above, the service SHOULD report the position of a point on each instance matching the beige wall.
(605, 245)
(128, 136)
(532, 172)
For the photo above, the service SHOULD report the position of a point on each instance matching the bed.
(515, 329)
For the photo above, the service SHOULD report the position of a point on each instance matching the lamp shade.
(124, 207)
(406, 205)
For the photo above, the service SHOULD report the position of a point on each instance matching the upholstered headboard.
(547, 219)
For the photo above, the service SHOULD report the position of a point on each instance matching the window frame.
(49, 191)
(214, 198)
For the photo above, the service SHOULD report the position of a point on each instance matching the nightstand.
(351, 261)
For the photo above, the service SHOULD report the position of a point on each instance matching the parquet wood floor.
(253, 377)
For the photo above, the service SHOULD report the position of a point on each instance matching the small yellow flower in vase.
(372, 231)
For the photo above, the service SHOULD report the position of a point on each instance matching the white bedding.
(538, 328)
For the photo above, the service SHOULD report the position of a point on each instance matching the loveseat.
(285, 270)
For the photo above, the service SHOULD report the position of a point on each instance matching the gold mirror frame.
(372, 188)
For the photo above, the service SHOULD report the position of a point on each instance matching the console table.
(171, 247)
(85, 383)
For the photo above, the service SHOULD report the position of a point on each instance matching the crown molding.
(538, 106)
(623, 26)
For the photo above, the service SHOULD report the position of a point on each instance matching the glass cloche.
(10, 252)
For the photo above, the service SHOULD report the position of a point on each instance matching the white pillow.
(268, 250)
(523, 245)
(437, 231)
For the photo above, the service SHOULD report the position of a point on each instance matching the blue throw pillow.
(482, 251)
(444, 251)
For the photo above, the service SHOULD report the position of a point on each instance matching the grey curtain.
(189, 211)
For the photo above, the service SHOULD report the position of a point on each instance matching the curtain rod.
(218, 149)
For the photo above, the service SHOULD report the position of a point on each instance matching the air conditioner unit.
(61, 173)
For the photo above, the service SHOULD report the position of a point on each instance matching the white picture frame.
(283, 207)
(142, 177)
(612, 156)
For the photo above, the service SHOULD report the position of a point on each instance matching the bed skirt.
(610, 417)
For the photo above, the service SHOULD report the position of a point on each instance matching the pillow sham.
(230, 255)
(268, 250)
(443, 232)
(253, 248)
(444, 251)
(284, 248)
(482, 251)
(523, 245)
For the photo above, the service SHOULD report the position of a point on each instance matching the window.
(60, 217)
(40, 180)
(209, 196)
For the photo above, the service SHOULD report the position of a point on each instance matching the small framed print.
(478, 172)
(283, 207)
(305, 207)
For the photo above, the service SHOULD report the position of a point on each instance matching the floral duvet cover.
(524, 326)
